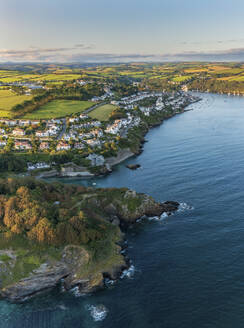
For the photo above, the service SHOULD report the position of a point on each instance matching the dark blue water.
(189, 268)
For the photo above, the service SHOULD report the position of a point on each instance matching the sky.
(121, 30)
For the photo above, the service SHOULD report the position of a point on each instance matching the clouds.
(82, 53)
(233, 54)
(40, 54)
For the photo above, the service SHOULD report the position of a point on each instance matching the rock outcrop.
(76, 266)
(133, 166)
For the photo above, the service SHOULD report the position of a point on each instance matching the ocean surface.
(187, 269)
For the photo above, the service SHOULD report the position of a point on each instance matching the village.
(83, 134)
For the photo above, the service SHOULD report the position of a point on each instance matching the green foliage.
(4, 258)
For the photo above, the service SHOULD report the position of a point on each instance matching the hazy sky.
(120, 30)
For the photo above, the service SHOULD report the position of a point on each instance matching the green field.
(8, 99)
(59, 108)
(103, 112)
(182, 78)
(15, 76)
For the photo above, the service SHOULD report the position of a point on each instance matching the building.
(3, 143)
(93, 142)
(63, 146)
(18, 132)
(44, 145)
(24, 122)
(79, 145)
(42, 134)
(22, 145)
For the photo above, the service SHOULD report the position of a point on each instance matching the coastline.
(47, 277)
(122, 155)
(77, 265)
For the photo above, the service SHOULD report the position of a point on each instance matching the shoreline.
(20, 291)
(123, 154)
(74, 265)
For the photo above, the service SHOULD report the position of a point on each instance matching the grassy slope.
(8, 99)
(103, 112)
(59, 108)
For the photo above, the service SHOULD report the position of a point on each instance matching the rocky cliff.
(90, 248)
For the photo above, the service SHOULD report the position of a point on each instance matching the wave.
(185, 207)
(76, 292)
(109, 282)
(62, 307)
(128, 273)
(98, 312)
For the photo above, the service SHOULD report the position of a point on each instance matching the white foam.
(109, 282)
(128, 273)
(164, 215)
(62, 307)
(76, 291)
(153, 218)
(185, 207)
(98, 312)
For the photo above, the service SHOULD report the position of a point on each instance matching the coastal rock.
(170, 206)
(133, 166)
(77, 267)
(143, 205)
(43, 279)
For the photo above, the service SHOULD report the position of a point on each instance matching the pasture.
(59, 108)
(8, 99)
(102, 112)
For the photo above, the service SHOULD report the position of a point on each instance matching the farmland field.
(103, 112)
(182, 78)
(8, 99)
(59, 108)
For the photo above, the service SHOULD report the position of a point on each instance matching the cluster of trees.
(159, 85)
(124, 88)
(217, 86)
(47, 213)
(12, 163)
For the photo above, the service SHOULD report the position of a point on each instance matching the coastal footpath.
(72, 236)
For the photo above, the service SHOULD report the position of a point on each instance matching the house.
(18, 132)
(44, 145)
(83, 116)
(63, 146)
(42, 134)
(95, 123)
(3, 143)
(81, 82)
(74, 119)
(69, 136)
(93, 142)
(97, 133)
(83, 136)
(53, 129)
(145, 110)
(95, 99)
(56, 121)
(79, 145)
(36, 122)
(24, 122)
(36, 166)
(22, 145)
(10, 122)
